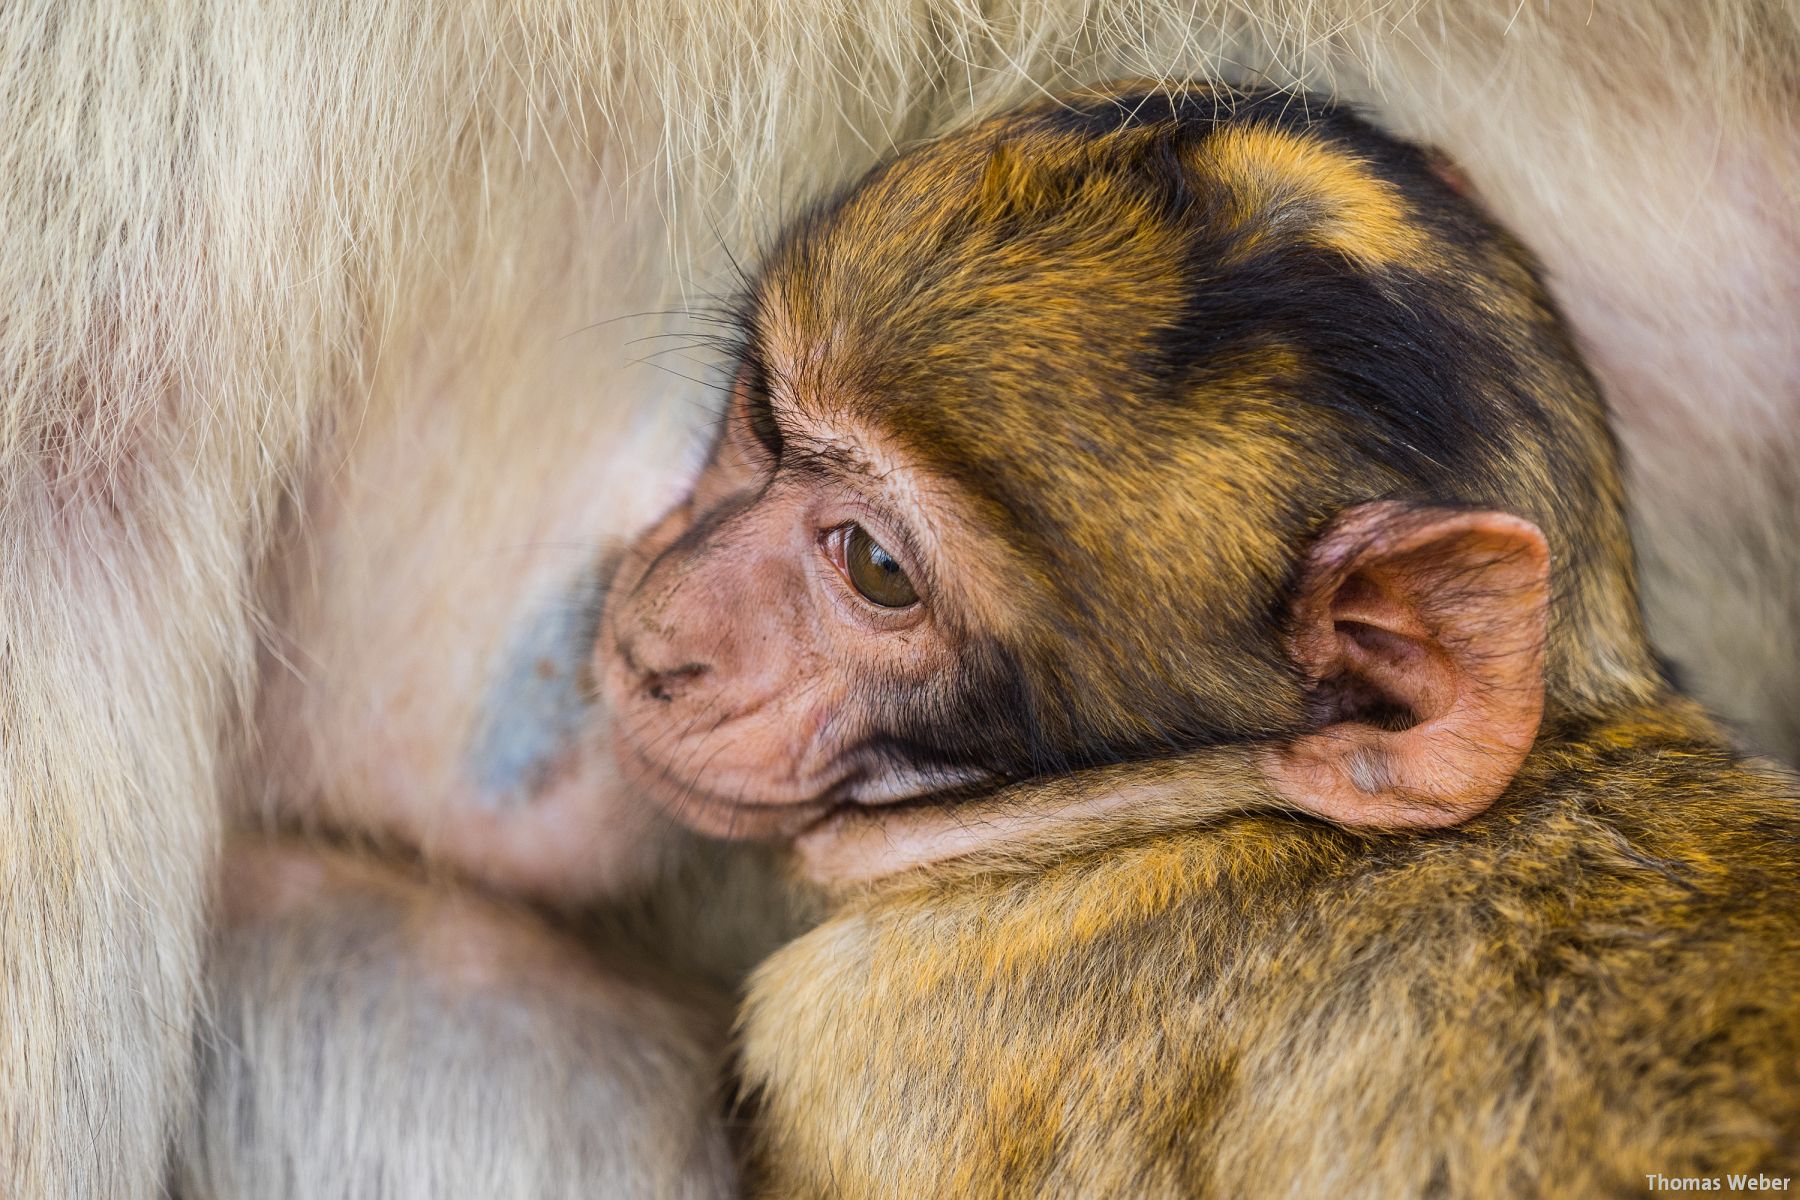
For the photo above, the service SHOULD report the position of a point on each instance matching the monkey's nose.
(659, 683)
(664, 686)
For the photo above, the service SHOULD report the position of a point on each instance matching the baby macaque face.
(774, 646)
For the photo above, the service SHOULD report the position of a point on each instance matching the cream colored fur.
(370, 1028)
(234, 232)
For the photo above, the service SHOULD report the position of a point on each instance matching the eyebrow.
(809, 454)
(820, 458)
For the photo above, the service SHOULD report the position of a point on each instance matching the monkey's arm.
(107, 829)
(1034, 822)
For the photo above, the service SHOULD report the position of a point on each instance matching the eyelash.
(886, 533)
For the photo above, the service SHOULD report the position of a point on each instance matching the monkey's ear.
(1451, 175)
(1423, 633)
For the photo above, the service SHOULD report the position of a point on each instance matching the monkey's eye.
(873, 572)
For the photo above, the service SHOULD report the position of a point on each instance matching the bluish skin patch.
(542, 695)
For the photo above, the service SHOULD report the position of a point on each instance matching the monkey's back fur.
(1592, 982)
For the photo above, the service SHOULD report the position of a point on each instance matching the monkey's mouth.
(893, 796)
(713, 813)
(741, 817)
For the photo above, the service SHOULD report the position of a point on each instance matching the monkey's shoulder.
(1661, 795)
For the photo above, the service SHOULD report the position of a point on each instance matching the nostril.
(663, 685)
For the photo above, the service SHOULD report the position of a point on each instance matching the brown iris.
(874, 573)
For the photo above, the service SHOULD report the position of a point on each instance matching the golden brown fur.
(1158, 266)
(1592, 982)
(239, 234)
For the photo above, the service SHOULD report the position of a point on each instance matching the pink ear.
(1423, 631)
(1453, 176)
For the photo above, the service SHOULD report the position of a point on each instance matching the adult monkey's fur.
(234, 232)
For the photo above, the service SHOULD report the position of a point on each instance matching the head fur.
(1164, 338)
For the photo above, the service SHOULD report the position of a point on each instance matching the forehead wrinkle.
(843, 442)
(807, 453)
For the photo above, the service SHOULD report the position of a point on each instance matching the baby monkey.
(1165, 565)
